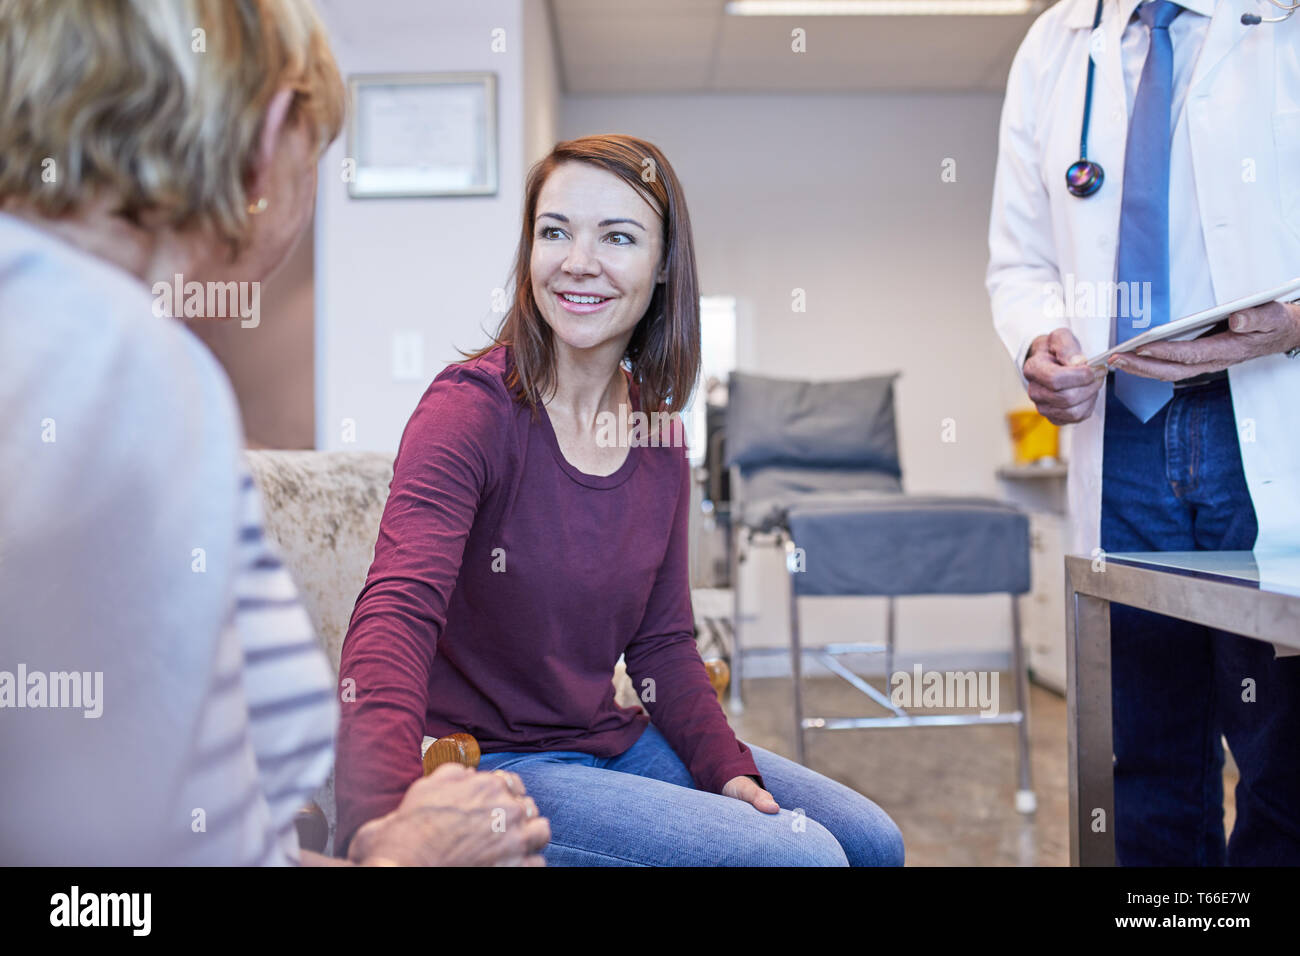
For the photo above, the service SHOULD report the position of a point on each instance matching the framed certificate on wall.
(422, 134)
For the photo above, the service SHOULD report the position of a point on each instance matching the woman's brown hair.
(664, 351)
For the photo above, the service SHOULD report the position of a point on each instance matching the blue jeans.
(641, 808)
(1176, 484)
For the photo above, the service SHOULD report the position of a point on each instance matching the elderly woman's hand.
(748, 790)
(457, 817)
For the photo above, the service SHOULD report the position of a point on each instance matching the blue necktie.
(1144, 213)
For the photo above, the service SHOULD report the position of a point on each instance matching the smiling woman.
(523, 550)
(600, 213)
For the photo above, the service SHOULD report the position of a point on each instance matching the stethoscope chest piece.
(1084, 178)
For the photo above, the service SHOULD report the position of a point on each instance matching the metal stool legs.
(796, 660)
(889, 640)
(736, 699)
(1026, 801)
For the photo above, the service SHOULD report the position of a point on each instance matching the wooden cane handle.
(719, 676)
(454, 748)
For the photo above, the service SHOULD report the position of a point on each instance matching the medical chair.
(815, 472)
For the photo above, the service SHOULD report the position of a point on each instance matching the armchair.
(322, 510)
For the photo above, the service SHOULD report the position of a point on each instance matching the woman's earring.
(254, 208)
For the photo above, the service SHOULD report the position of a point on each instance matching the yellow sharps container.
(1033, 437)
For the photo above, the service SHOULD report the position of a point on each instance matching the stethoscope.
(1084, 177)
(1250, 19)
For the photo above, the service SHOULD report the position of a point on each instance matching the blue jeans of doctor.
(1175, 483)
(641, 808)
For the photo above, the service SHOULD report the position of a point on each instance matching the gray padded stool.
(815, 466)
(892, 545)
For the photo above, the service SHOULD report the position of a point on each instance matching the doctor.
(1195, 120)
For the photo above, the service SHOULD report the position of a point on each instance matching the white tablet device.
(1199, 321)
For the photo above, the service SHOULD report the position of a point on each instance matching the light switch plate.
(408, 356)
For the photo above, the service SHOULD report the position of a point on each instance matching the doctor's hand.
(1061, 385)
(1263, 330)
(746, 789)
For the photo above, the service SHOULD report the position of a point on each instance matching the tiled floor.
(949, 789)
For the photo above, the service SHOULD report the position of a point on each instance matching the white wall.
(542, 92)
(838, 195)
(842, 196)
(387, 266)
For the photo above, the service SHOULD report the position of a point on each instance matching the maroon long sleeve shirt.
(505, 585)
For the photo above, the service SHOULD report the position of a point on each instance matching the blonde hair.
(158, 103)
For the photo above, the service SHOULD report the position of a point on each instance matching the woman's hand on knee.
(748, 790)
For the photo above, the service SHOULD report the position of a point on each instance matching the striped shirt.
(272, 695)
(292, 710)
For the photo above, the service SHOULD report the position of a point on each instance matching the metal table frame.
(1240, 607)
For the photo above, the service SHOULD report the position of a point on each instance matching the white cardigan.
(120, 555)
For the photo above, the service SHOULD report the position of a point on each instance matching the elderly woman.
(536, 529)
(141, 141)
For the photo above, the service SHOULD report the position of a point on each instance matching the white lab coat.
(1243, 107)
